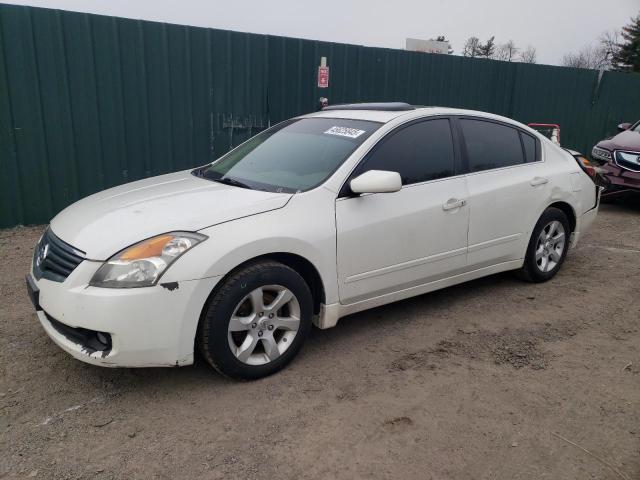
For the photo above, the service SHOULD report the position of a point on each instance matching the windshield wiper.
(233, 182)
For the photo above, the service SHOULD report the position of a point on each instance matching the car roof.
(385, 116)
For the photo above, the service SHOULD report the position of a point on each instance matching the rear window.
(491, 145)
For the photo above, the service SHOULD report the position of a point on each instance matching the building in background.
(440, 45)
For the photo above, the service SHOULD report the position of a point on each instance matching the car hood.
(104, 223)
(627, 140)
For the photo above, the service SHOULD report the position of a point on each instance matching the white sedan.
(313, 219)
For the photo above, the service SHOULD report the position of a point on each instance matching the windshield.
(293, 156)
(636, 128)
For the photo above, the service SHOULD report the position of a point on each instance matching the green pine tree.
(627, 56)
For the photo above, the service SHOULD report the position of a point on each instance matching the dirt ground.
(494, 379)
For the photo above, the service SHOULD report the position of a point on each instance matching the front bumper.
(618, 178)
(146, 327)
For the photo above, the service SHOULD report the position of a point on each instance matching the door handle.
(453, 203)
(535, 181)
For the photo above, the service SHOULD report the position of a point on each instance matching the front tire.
(548, 246)
(256, 321)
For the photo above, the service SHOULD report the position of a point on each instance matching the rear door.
(507, 189)
(392, 241)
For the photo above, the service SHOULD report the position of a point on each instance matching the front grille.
(628, 160)
(54, 259)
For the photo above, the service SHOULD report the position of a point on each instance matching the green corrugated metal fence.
(88, 102)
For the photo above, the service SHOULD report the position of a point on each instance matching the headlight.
(600, 154)
(142, 264)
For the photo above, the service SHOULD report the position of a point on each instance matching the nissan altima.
(313, 219)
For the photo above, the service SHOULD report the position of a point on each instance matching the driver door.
(392, 241)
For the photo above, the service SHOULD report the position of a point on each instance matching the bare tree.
(574, 60)
(506, 51)
(610, 46)
(595, 57)
(528, 55)
(471, 47)
(610, 41)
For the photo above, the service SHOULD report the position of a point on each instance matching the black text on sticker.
(345, 132)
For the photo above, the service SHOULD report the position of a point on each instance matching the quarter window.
(420, 152)
(530, 147)
(491, 145)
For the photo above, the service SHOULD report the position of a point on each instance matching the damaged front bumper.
(132, 327)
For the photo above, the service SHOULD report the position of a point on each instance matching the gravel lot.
(491, 379)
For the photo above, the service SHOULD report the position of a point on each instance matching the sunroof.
(382, 106)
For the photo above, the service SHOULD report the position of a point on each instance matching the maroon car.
(620, 158)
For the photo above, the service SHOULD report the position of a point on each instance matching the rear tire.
(256, 321)
(547, 247)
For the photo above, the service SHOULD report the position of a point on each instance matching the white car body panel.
(369, 260)
(140, 210)
(368, 250)
(233, 243)
(496, 196)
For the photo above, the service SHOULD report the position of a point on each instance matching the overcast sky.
(554, 27)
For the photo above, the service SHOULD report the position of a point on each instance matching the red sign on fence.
(323, 77)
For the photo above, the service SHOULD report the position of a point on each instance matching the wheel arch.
(568, 211)
(305, 268)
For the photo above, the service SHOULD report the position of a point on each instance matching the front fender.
(299, 229)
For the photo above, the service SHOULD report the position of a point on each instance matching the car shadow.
(400, 313)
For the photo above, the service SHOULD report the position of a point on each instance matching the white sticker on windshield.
(345, 132)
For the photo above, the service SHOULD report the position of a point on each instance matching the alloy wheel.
(264, 324)
(550, 246)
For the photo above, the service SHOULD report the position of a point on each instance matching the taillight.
(595, 172)
(586, 165)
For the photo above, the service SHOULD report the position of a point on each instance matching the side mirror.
(624, 126)
(376, 181)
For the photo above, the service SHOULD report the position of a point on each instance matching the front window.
(293, 156)
(419, 152)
